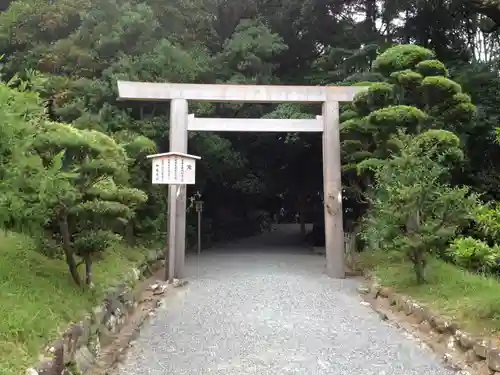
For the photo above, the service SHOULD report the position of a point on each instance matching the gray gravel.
(258, 308)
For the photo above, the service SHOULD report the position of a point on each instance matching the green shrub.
(413, 209)
(402, 57)
(474, 254)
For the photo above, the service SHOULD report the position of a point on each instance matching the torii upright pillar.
(332, 190)
(178, 143)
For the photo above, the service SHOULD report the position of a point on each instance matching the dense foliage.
(72, 160)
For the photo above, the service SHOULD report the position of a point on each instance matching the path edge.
(461, 351)
(95, 344)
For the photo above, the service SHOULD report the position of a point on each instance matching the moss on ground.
(38, 297)
(470, 299)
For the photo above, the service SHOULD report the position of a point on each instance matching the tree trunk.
(68, 251)
(419, 267)
(88, 270)
(129, 233)
(417, 257)
(416, 253)
(371, 20)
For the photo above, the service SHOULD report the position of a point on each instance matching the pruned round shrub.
(402, 57)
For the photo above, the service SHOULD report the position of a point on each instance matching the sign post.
(199, 209)
(178, 169)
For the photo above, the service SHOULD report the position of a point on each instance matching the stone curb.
(464, 351)
(78, 351)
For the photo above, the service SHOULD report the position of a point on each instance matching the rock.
(136, 274)
(418, 313)
(58, 364)
(70, 341)
(442, 339)
(31, 371)
(407, 307)
(427, 314)
(127, 299)
(160, 289)
(394, 299)
(451, 343)
(385, 292)
(447, 358)
(401, 302)
(471, 357)
(453, 327)
(363, 289)
(46, 366)
(440, 324)
(113, 301)
(425, 327)
(466, 341)
(120, 318)
(94, 345)
(86, 325)
(493, 359)
(112, 324)
(54, 363)
(481, 347)
(364, 303)
(105, 337)
(84, 359)
(153, 287)
(144, 270)
(481, 368)
(98, 314)
(382, 315)
(146, 299)
(374, 290)
(178, 283)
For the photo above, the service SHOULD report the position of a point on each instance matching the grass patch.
(38, 297)
(470, 299)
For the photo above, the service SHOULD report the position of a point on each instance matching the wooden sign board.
(174, 168)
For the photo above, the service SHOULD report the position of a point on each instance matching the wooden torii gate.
(328, 123)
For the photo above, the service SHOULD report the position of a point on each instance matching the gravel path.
(261, 309)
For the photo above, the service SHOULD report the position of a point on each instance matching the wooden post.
(199, 232)
(178, 143)
(332, 186)
(302, 214)
(172, 193)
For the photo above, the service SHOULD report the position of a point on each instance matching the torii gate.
(328, 123)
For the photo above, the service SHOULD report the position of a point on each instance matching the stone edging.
(79, 349)
(463, 351)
